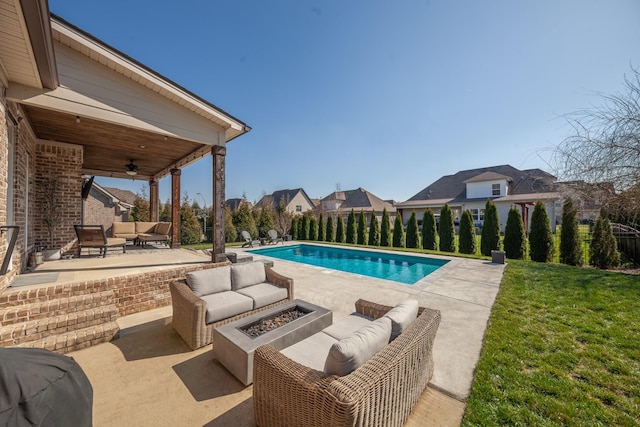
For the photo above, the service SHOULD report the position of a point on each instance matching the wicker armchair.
(190, 311)
(382, 392)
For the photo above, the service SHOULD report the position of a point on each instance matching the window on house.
(477, 214)
(495, 189)
(298, 208)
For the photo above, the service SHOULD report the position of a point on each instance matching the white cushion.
(347, 326)
(209, 280)
(247, 274)
(312, 351)
(402, 315)
(264, 294)
(350, 353)
(226, 304)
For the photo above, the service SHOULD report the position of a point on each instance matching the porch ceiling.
(108, 147)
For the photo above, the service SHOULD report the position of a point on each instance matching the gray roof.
(521, 182)
(283, 196)
(360, 199)
(124, 195)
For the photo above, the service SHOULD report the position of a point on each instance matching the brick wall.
(62, 163)
(100, 210)
(4, 144)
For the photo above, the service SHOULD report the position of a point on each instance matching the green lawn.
(562, 347)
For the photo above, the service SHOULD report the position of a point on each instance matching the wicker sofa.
(212, 297)
(141, 232)
(380, 392)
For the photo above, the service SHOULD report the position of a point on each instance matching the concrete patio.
(149, 376)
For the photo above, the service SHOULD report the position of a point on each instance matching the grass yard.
(562, 347)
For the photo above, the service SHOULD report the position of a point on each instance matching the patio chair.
(248, 240)
(93, 236)
(273, 237)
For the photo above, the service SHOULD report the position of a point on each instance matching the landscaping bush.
(190, 228)
(385, 233)
(321, 229)
(304, 228)
(446, 231)
(570, 242)
(266, 221)
(374, 232)
(362, 228)
(351, 227)
(490, 236)
(294, 228)
(313, 228)
(230, 232)
(514, 235)
(540, 238)
(467, 244)
(398, 233)
(603, 250)
(429, 230)
(243, 220)
(328, 235)
(413, 237)
(340, 230)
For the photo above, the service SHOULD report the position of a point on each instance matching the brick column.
(153, 200)
(218, 154)
(175, 208)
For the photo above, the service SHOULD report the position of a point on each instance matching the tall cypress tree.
(429, 230)
(328, 235)
(351, 227)
(447, 232)
(490, 237)
(514, 236)
(603, 250)
(467, 243)
(294, 228)
(321, 228)
(570, 243)
(385, 235)
(374, 232)
(362, 228)
(398, 233)
(340, 230)
(540, 238)
(304, 228)
(313, 228)
(413, 235)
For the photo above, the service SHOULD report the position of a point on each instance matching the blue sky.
(384, 95)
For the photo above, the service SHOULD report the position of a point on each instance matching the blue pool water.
(397, 267)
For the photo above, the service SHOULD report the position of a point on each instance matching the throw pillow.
(402, 315)
(348, 354)
(209, 280)
(247, 274)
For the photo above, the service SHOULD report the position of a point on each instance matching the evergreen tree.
(570, 242)
(467, 244)
(230, 232)
(447, 232)
(490, 237)
(243, 220)
(429, 230)
(328, 235)
(141, 210)
(514, 236)
(294, 228)
(374, 232)
(266, 220)
(351, 227)
(398, 233)
(313, 228)
(603, 249)
(165, 212)
(340, 230)
(304, 228)
(362, 228)
(413, 234)
(190, 229)
(321, 228)
(385, 234)
(540, 238)
(300, 235)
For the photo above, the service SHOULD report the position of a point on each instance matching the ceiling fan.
(131, 168)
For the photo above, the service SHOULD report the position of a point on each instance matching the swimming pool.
(401, 268)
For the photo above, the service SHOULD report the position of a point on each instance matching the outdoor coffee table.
(234, 348)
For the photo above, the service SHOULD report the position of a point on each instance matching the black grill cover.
(42, 388)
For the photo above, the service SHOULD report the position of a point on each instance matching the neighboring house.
(296, 201)
(104, 206)
(587, 198)
(234, 204)
(469, 190)
(341, 202)
(72, 106)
